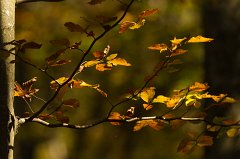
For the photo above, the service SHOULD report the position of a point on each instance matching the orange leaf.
(58, 63)
(147, 106)
(115, 116)
(148, 13)
(186, 146)
(161, 47)
(156, 125)
(204, 141)
(98, 54)
(103, 67)
(198, 87)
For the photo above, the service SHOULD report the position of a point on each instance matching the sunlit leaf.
(176, 41)
(147, 94)
(173, 102)
(147, 106)
(131, 25)
(98, 54)
(161, 47)
(26, 91)
(198, 87)
(190, 102)
(199, 39)
(205, 141)
(72, 27)
(115, 116)
(103, 67)
(232, 132)
(111, 57)
(228, 100)
(75, 84)
(119, 61)
(91, 63)
(186, 146)
(160, 99)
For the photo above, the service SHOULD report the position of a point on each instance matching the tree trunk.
(7, 70)
(221, 21)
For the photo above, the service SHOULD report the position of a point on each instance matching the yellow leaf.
(232, 132)
(119, 61)
(161, 47)
(176, 41)
(112, 56)
(137, 25)
(204, 141)
(91, 63)
(190, 102)
(229, 100)
(199, 39)
(160, 99)
(147, 94)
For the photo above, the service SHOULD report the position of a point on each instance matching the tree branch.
(80, 62)
(126, 120)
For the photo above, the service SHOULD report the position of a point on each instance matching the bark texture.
(7, 117)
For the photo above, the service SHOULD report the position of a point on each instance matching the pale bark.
(7, 117)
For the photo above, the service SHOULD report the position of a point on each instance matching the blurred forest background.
(41, 22)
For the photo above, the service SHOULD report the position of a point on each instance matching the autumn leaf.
(186, 146)
(147, 106)
(72, 27)
(147, 94)
(30, 45)
(103, 67)
(91, 63)
(176, 41)
(199, 39)
(75, 84)
(155, 124)
(178, 52)
(131, 25)
(205, 141)
(119, 61)
(148, 12)
(60, 117)
(25, 91)
(232, 132)
(98, 54)
(160, 99)
(198, 87)
(173, 102)
(115, 116)
(161, 47)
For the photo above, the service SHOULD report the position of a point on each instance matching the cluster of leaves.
(185, 99)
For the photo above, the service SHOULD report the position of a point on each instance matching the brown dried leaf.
(186, 146)
(115, 116)
(205, 141)
(148, 13)
(72, 27)
(161, 47)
